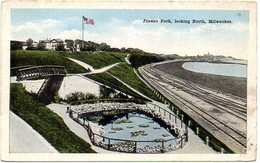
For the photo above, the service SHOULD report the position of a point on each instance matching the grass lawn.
(98, 59)
(126, 73)
(34, 57)
(46, 122)
(108, 80)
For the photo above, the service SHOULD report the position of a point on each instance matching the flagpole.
(82, 33)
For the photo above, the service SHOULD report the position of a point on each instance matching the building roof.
(45, 41)
(57, 40)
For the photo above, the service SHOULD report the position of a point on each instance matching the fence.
(39, 71)
(170, 121)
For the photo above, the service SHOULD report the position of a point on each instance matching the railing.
(14, 70)
(91, 101)
(170, 120)
(40, 71)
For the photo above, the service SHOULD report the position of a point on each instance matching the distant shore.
(224, 62)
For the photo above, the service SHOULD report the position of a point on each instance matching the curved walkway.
(24, 139)
(127, 59)
(78, 129)
(83, 64)
(92, 70)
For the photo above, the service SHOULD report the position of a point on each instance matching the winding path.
(92, 70)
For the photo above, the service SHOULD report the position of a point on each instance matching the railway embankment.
(218, 118)
(232, 85)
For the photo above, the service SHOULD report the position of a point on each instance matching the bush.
(78, 96)
(141, 59)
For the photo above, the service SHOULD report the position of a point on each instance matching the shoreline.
(219, 62)
(236, 86)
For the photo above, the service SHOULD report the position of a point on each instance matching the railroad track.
(234, 107)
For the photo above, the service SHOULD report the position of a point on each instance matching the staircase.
(49, 88)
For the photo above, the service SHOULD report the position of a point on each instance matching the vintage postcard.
(128, 81)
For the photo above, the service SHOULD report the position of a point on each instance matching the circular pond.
(133, 126)
(130, 127)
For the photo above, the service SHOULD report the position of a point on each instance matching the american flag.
(88, 21)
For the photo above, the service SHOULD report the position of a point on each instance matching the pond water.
(234, 70)
(131, 126)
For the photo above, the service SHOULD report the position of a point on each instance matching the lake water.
(234, 70)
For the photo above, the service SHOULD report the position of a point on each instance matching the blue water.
(154, 131)
(234, 70)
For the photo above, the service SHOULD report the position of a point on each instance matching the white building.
(34, 44)
(51, 44)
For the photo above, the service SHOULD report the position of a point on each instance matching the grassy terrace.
(46, 122)
(126, 73)
(107, 79)
(232, 85)
(98, 59)
(23, 58)
(123, 71)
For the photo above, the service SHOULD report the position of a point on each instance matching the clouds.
(236, 27)
(68, 34)
(35, 29)
(39, 27)
(223, 39)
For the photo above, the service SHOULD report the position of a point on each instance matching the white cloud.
(39, 27)
(69, 34)
(217, 27)
(138, 21)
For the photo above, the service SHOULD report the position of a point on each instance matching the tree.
(16, 45)
(137, 60)
(114, 50)
(123, 49)
(41, 46)
(60, 47)
(70, 44)
(90, 46)
(104, 47)
(29, 44)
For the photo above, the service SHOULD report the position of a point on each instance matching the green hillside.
(98, 59)
(109, 80)
(126, 73)
(23, 58)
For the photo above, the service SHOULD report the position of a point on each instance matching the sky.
(125, 28)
